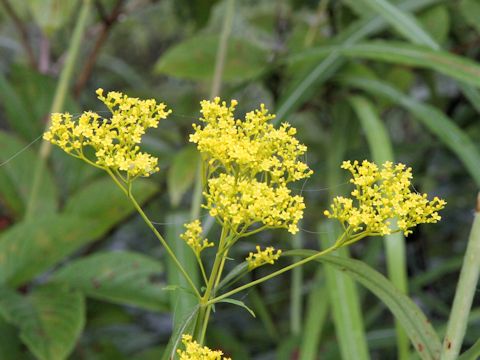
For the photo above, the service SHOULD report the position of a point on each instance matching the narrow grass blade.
(417, 326)
(466, 289)
(433, 119)
(403, 22)
(301, 89)
(344, 299)
(381, 149)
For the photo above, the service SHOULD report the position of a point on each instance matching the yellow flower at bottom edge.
(194, 351)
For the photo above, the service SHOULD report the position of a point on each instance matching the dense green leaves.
(120, 277)
(50, 319)
(194, 59)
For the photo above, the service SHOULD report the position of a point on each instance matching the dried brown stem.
(107, 24)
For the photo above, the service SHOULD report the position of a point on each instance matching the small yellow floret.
(262, 257)
(114, 140)
(380, 196)
(194, 351)
(193, 237)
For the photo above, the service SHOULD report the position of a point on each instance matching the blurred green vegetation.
(83, 278)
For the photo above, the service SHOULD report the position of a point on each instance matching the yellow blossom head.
(115, 140)
(248, 166)
(193, 237)
(381, 195)
(262, 257)
(194, 351)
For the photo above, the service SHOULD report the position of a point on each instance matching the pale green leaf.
(182, 173)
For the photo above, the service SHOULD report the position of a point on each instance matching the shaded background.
(286, 54)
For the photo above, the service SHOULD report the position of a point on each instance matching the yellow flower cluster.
(249, 164)
(114, 140)
(193, 237)
(194, 351)
(380, 196)
(262, 257)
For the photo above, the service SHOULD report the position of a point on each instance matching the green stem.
(466, 288)
(58, 103)
(272, 275)
(154, 230)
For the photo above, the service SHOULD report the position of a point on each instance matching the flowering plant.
(247, 166)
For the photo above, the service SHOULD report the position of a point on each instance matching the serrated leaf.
(50, 319)
(194, 59)
(238, 303)
(119, 277)
(16, 176)
(416, 325)
(182, 173)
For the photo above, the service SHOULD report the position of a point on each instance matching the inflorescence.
(194, 351)
(382, 195)
(115, 140)
(248, 166)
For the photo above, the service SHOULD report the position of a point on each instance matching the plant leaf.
(194, 59)
(182, 173)
(50, 319)
(238, 303)
(418, 328)
(119, 277)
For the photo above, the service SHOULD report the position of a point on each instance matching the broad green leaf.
(30, 247)
(470, 10)
(52, 14)
(50, 319)
(304, 85)
(418, 328)
(395, 247)
(182, 173)
(457, 67)
(403, 22)
(16, 174)
(119, 277)
(194, 59)
(435, 120)
(103, 201)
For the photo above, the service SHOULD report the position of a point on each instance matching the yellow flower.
(193, 237)
(114, 140)
(248, 166)
(262, 257)
(380, 196)
(194, 351)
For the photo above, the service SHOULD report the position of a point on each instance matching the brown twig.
(107, 24)
(22, 31)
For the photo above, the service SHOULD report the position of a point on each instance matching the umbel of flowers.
(248, 165)
(115, 140)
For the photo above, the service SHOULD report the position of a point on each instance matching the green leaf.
(470, 9)
(304, 85)
(194, 59)
(51, 14)
(238, 303)
(50, 319)
(30, 247)
(403, 22)
(10, 344)
(435, 120)
(103, 201)
(182, 173)
(119, 277)
(457, 67)
(418, 328)
(16, 176)
(473, 353)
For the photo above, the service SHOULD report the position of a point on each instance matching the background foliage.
(81, 276)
